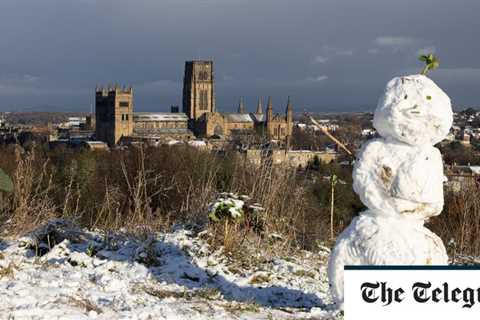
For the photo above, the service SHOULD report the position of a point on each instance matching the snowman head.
(413, 110)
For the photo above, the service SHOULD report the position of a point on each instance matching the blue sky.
(328, 55)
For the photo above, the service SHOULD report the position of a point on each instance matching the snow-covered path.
(87, 277)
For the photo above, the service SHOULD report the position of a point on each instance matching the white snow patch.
(186, 280)
(414, 110)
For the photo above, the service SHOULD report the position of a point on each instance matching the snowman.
(399, 177)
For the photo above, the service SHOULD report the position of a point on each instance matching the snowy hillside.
(172, 276)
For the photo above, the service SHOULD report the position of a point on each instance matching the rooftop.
(160, 131)
(159, 116)
(238, 117)
(258, 117)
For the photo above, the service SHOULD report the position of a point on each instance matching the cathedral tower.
(198, 89)
(113, 114)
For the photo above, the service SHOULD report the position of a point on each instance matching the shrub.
(459, 223)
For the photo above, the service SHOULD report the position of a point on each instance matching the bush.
(459, 223)
(147, 189)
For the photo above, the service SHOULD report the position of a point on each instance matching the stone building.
(205, 121)
(113, 114)
(159, 120)
(279, 127)
(161, 126)
(198, 89)
(273, 126)
(292, 158)
(116, 121)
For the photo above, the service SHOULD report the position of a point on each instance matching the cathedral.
(116, 122)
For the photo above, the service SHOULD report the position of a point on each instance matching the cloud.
(404, 44)
(30, 78)
(17, 89)
(77, 45)
(392, 41)
(320, 59)
(344, 53)
(335, 51)
(18, 79)
(330, 53)
(17, 83)
(157, 85)
(426, 50)
(317, 79)
(464, 75)
(227, 77)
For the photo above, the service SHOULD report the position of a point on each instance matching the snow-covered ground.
(172, 276)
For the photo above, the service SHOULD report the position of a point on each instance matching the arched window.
(203, 99)
(203, 75)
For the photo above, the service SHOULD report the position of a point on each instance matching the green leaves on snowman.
(431, 63)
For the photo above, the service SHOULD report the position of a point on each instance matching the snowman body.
(399, 177)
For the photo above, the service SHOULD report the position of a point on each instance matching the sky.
(328, 55)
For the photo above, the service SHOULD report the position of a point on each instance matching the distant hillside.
(41, 118)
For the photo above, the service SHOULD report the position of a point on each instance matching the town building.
(462, 177)
(292, 158)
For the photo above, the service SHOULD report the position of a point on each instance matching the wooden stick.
(332, 201)
(328, 134)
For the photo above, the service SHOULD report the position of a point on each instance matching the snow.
(232, 206)
(197, 144)
(373, 239)
(173, 275)
(414, 110)
(475, 169)
(174, 142)
(399, 177)
(410, 184)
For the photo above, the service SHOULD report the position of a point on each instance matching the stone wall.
(293, 158)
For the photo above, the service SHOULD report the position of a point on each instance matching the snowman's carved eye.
(406, 97)
(429, 97)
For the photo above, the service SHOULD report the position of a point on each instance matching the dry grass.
(460, 221)
(144, 190)
(239, 308)
(31, 204)
(164, 293)
(207, 293)
(281, 194)
(260, 278)
(84, 304)
(160, 293)
(304, 273)
(7, 272)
